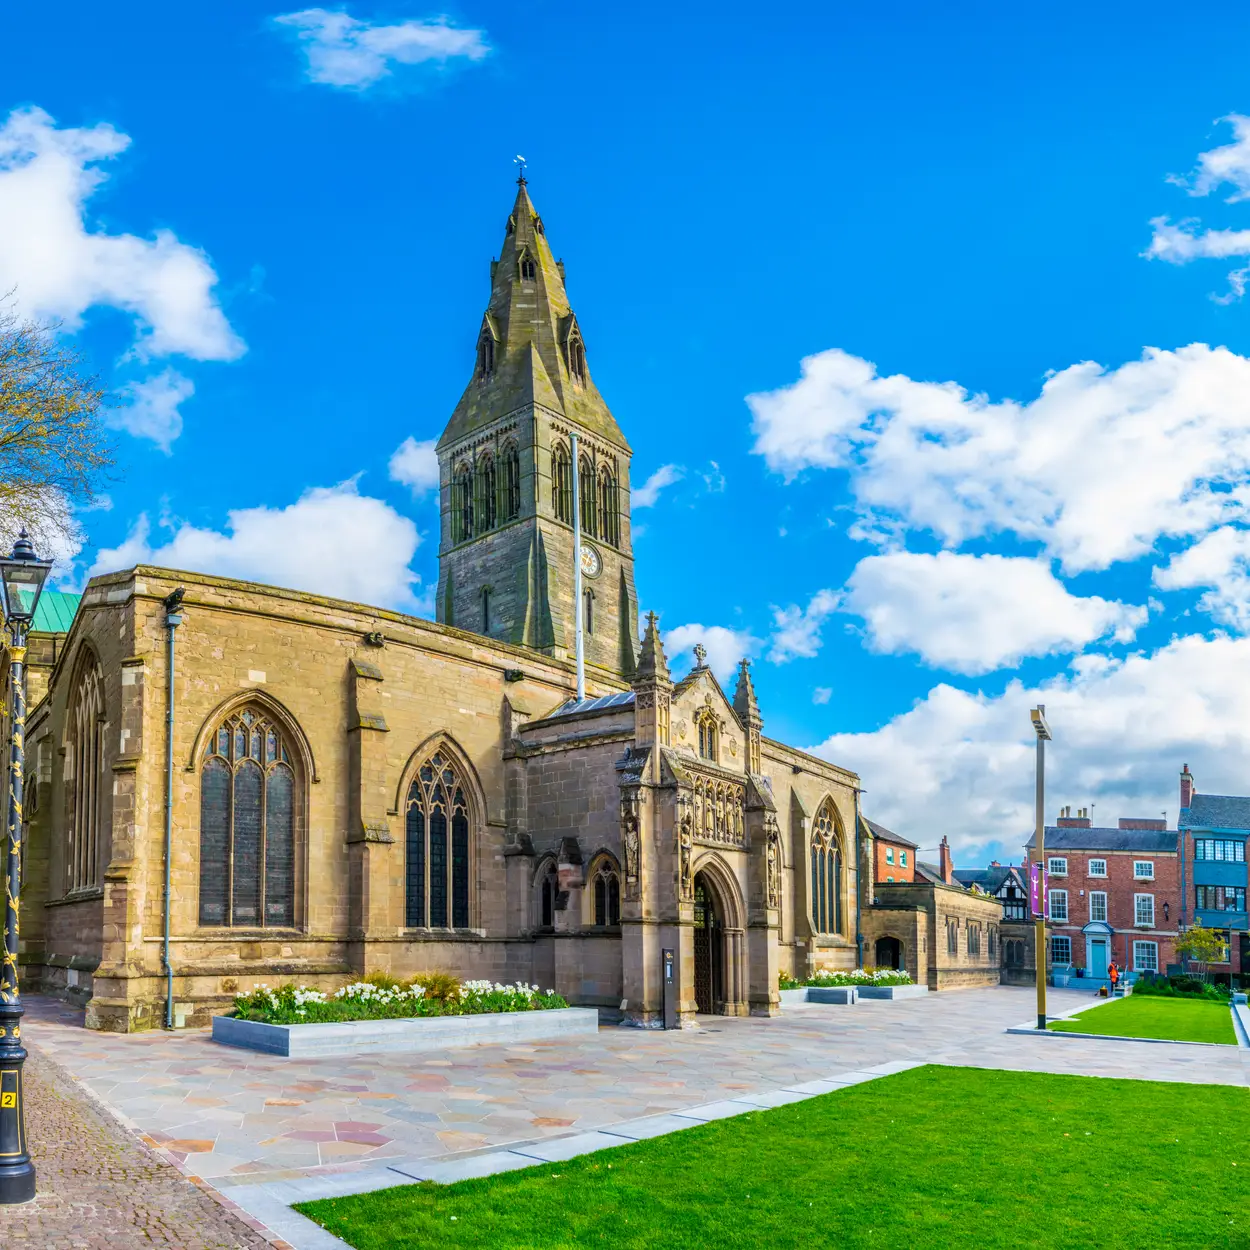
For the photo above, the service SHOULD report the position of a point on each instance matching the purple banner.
(1039, 889)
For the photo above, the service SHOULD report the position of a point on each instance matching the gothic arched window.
(562, 483)
(586, 489)
(437, 841)
(529, 270)
(826, 871)
(606, 887)
(588, 611)
(707, 734)
(609, 527)
(462, 504)
(247, 824)
(510, 462)
(86, 780)
(548, 889)
(485, 354)
(577, 358)
(486, 503)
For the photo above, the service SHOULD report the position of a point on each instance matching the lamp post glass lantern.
(22, 575)
(1040, 727)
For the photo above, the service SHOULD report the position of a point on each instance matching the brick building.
(1213, 832)
(1009, 885)
(893, 856)
(1114, 894)
(353, 789)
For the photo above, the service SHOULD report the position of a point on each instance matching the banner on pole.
(1039, 890)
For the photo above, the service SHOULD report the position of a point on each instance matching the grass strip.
(1167, 1019)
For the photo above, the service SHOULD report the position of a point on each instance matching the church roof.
(573, 707)
(532, 326)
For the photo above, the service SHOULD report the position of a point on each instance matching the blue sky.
(942, 211)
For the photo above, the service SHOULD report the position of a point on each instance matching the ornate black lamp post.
(21, 578)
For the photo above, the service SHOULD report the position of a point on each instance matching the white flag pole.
(577, 573)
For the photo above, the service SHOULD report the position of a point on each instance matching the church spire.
(748, 710)
(653, 689)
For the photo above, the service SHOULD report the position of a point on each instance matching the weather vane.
(519, 162)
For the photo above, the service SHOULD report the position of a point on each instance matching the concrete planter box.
(365, 1037)
(843, 995)
(892, 991)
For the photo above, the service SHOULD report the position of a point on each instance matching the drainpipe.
(173, 618)
(859, 865)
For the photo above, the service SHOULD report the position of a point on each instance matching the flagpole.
(577, 572)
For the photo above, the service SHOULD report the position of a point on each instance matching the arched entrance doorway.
(889, 952)
(709, 948)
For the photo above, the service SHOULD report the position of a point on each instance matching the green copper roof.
(54, 613)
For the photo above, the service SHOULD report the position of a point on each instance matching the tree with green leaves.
(1201, 946)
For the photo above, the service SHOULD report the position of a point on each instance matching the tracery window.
(586, 488)
(485, 354)
(826, 871)
(86, 750)
(562, 483)
(577, 359)
(609, 521)
(607, 895)
(707, 733)
(511, 498)
(437, 841)
(486, 504)
(247, 824)
(462, 504)
(528, 268)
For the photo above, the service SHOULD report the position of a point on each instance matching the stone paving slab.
(713, 1111)
(776, 1097)
(447, 1172)
(568, 1147)
(651, 1126)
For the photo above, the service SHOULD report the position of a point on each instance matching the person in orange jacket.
(1114, 973)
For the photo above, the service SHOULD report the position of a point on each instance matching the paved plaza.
(253, 1125)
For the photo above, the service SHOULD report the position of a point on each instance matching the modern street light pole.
(23, 576)
(1042, 729)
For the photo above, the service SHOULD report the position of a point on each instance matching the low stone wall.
(842, 995)
(363, 1037)
(892, 991)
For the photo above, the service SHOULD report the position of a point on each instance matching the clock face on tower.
(591, 564)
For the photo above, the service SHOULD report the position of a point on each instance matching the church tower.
(506, 473)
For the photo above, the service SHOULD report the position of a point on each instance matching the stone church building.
(345, 789)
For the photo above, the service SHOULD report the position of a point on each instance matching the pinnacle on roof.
(745, 703)
(652, 667)
(530, 347)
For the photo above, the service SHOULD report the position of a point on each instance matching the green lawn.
(934, 1157)
(1174, 1019)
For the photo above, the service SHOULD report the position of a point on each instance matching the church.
(232, 783)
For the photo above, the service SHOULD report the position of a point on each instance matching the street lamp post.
(1042, 729)
(22, 575)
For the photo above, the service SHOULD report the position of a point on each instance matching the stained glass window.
(511, 482)
(826, 871)
(562, 483)
(437, 869)
(607, 895)
(247, 825)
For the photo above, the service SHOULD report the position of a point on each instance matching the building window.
(1220, 898)
(487, 501)
(952, 937)
(1145, 957)
(607, 895)
(462, 504)
(485, 354)
(1228, 849)
(486, 609)
(1144, 910)
(510, 462)
(1013, 953)
(1057, 866)
(588, 611)
(974, 939)
(707, 734)
(902, 859)
(548, 890)
(85, 780)
(1060, 950)
(826, 871)
(1098, 905)
(609, 520)
(437, 842)
(577, 359)
(529, 270)
(247, 825)
(1143, 870)
(1097, 867)
(992, 942)
(1059, 905)
(889, 854)
(562, 483)
(586, 488)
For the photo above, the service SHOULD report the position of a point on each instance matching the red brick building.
(1114, 894)
(893, 857)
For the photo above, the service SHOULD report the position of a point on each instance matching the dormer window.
(577, 359)
(485, 354)
(529, 270)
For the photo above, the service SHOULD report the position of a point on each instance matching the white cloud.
(152, 408)
(974, 614)
(797, 630)
(331, 541)
(343, 51)
(1221, 561)
(725, 647)
(646, 495)
(962, 764)
(1095, 468)
(415, 465)
(1227, 164)
(59, 268)
(822, 694)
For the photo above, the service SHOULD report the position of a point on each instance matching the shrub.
(860, 976)
(440, 986)
(1180, 987)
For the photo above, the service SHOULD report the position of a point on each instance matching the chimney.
(995, 864)
(946, 865)
(1142, 822)
(1187, 786)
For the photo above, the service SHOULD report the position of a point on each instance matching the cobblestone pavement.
(235, 1117)
(98, 1186)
